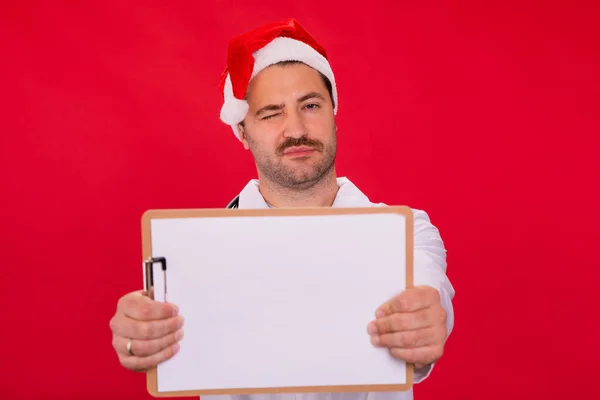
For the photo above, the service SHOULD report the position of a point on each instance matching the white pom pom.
(234, 111)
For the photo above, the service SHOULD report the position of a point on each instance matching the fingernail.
(372, 328)
(380, 314)
(375, 340)
(179, 335)
(175, 310)
(175, 347)
(180, 324)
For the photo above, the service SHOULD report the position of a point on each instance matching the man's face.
(290, 126)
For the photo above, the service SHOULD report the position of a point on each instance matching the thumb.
(138, 305)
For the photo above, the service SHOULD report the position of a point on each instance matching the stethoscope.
(235, 203)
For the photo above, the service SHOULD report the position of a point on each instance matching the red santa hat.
(251, 52)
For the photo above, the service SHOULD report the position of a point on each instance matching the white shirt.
(429, 269)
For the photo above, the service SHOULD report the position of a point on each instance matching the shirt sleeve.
(430, 270)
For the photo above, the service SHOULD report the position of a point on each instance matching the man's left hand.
(412, 325)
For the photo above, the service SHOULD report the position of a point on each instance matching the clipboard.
(161, 272)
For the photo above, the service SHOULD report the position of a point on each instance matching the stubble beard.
(306, 174)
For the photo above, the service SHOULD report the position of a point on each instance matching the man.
(280, 99)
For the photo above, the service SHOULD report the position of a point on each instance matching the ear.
(243, 138)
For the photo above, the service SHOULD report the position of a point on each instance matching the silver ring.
(129, 347)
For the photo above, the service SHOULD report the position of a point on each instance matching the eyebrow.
(311, 95)
(278, 107)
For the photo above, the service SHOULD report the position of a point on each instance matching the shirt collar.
(348, 195)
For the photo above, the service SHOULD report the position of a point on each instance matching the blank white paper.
(279, 301)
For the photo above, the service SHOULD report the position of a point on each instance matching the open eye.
(312, 106)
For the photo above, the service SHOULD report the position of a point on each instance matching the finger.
(420, 355)
(410, 300)
(145, 330)
(145, 348)
(409, 339)
(137, 305)
(402, 322)
(135, 363)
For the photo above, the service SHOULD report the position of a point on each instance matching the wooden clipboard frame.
(148, 216)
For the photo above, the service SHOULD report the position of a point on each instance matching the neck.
(321, 193)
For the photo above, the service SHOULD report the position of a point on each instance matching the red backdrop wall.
(484, 115)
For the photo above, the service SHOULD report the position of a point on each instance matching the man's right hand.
(153, 327)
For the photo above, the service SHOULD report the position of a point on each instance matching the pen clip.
(149, 275)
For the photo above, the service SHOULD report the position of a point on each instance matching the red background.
(484, 115)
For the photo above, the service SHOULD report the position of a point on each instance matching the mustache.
(303, 141)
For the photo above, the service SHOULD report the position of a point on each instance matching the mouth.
(298, 151)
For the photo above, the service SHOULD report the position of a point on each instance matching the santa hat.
(251, 52)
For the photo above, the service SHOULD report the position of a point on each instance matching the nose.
(294, 125)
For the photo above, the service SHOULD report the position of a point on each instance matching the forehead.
(280, 81)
